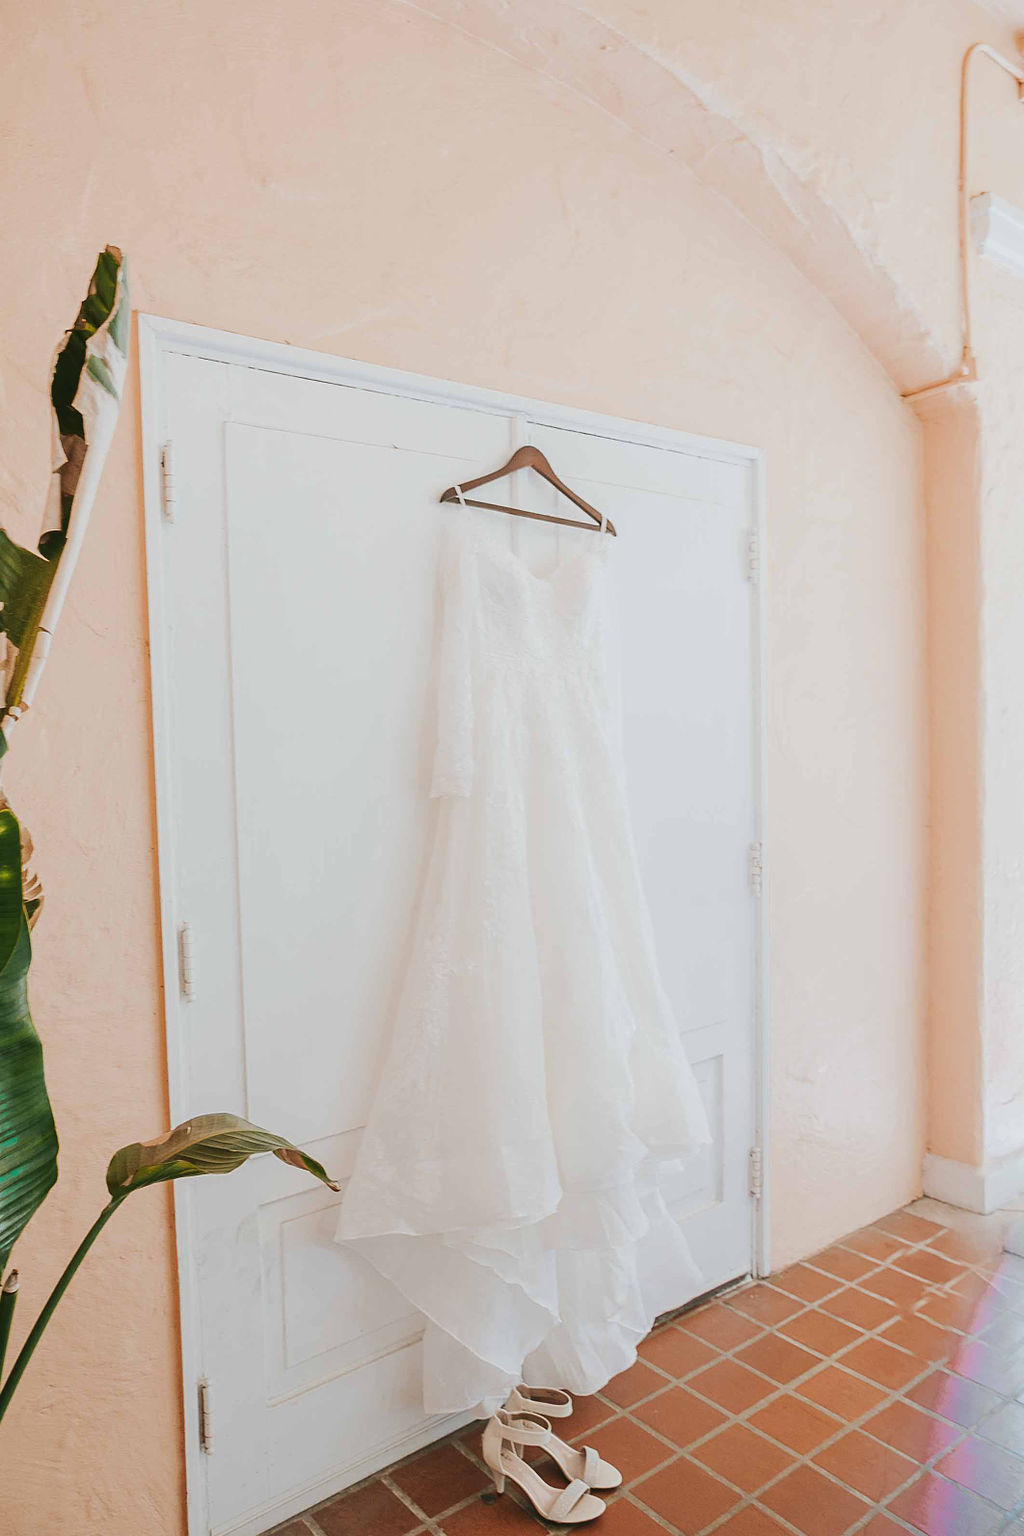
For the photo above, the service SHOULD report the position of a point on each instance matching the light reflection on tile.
(814, 1403)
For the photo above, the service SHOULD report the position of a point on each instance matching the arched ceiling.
(684, 117)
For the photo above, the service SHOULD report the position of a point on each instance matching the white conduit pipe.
(968, 370)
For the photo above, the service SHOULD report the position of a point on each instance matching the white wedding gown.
(535, 1094)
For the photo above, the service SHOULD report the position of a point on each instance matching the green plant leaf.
(28, 1138)
(24, 582)
(85, 397)
(99, 308)
(207, 1144)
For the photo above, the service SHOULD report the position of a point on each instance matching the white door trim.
(159, 337)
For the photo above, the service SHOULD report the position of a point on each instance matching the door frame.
(159, 337)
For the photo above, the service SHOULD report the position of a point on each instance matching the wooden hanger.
(532, 458)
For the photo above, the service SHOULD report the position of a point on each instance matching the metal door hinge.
(755, 1171)
(753, 556)
(205, 1427)
(167, 502)
(755, 869)
(186, 963)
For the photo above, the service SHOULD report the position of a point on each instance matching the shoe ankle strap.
(552, 1402)
(523, 1428)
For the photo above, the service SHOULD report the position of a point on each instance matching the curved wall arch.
(792, 197)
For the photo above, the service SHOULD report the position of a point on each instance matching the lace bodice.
(505, 625)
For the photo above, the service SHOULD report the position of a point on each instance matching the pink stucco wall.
(734, 221)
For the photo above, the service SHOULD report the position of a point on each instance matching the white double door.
(294, 616)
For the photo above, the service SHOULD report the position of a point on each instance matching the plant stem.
(39, 1326)
(8, 1296)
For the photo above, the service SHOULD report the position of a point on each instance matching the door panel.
(295, 674)
(685, 621)
(332, 754)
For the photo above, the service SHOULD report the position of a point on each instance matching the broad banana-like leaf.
(85, 398)
(28, 1139)
(24, 582)
(207, 1144)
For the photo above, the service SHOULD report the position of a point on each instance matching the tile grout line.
(426, 1523)
(806, 1459)
(652, 1514)
(481, 1465)
(889, 1396)
(874, 1506)
(983, 1269)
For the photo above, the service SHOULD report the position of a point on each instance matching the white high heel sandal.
(585, 1464)
(574, 1505)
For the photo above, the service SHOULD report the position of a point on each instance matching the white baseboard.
(1013, 1242)
(973, 1188)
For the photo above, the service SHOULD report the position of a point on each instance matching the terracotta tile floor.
(877, 1388)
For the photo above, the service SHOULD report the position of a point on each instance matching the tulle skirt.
(536, 1097)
